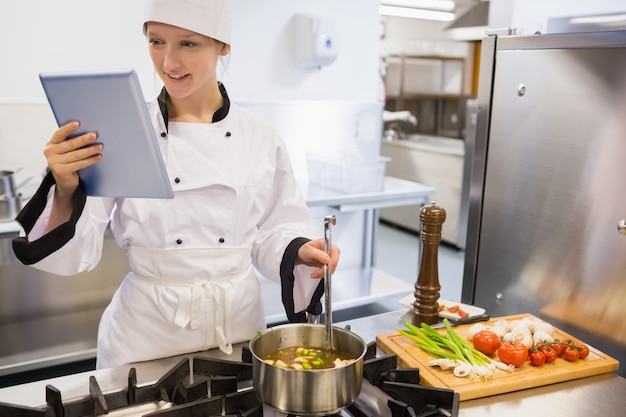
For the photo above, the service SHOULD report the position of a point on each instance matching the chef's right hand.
(66, 156)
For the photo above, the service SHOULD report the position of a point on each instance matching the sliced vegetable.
(307, 358)
(443, 363)
(455, 309)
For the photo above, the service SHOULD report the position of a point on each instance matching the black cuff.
(287, 283)
(31, 252)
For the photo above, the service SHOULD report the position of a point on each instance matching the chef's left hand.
(312, 254)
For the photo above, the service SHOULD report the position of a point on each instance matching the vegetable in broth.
(306, 358)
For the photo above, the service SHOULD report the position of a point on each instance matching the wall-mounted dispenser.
(316, 43)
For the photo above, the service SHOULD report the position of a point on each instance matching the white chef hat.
(212, 18)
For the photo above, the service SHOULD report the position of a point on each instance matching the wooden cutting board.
(526, 376)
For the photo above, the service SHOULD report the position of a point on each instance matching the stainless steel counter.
(601, 395)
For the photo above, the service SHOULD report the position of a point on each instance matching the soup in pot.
(307, 358)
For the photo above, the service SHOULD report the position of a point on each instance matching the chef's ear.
(225, 49)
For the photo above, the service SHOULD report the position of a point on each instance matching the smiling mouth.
(177, 77)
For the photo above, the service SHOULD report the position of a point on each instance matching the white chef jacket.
(192, 284)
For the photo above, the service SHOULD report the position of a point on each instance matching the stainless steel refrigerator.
(546, 231)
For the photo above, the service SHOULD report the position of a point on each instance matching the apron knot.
(190, 307)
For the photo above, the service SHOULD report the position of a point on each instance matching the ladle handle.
(328, 315)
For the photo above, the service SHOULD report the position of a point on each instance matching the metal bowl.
(9, 207)
(307, 392)
(7, 184)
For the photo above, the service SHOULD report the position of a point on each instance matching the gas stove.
(205, 387)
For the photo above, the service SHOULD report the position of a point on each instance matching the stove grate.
(204, 387)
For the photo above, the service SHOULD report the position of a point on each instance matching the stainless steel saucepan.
(307, 392)
(315, 391)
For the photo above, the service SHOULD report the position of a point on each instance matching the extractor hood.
(472, 24)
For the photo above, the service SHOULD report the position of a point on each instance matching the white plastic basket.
(346, 174)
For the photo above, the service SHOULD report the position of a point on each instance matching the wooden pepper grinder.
(425, 306)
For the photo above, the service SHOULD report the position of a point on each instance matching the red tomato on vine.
(571, 353)
(537, 357)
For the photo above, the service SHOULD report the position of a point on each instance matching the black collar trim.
(219, 115)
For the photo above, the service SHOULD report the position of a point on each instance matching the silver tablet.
(111, 104)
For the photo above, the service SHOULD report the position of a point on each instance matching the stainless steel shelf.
(396, 192)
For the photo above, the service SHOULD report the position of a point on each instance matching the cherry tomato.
(550, 353)
(583, 350)
(463, 314)
(571, 353)
(559, 347)
(537, 357)
(514, 355)
(486, 341)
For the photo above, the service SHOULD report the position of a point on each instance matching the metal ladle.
(328, 315)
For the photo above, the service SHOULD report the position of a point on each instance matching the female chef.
(236, 207)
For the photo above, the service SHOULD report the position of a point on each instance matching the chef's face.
(186, 61)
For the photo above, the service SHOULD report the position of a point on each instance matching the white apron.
(157, 305)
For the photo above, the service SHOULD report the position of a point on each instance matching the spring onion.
(454, 351)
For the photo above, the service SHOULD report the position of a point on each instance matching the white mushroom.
(475, 328)
(531, 323)
(503, 323)
(541, 336)
(519, 335)
(499, 330)
(544, 327)
(518, 324)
